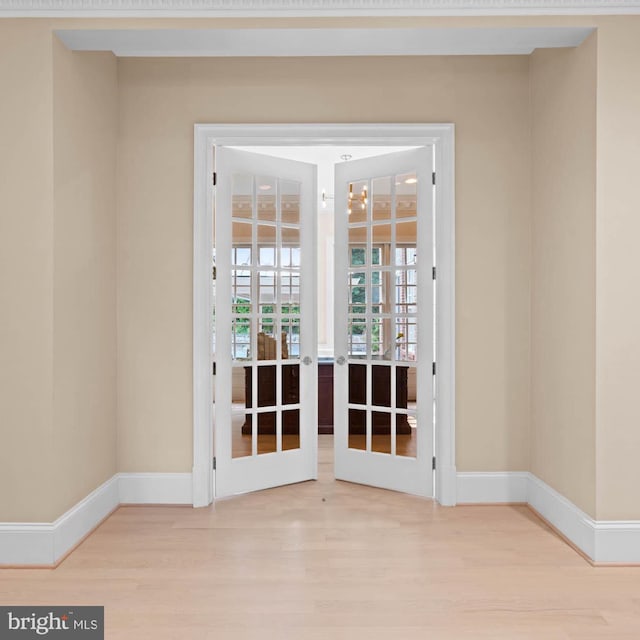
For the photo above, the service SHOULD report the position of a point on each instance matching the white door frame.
(206, 137)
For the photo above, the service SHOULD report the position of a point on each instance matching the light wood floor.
(330, 560)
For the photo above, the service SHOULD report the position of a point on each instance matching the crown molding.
(310, 8)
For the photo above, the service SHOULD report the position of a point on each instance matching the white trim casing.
(616, 542)
(309, 8)
(202, 471)
(445, 355)
(441, 136)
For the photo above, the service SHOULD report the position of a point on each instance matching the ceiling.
(322, 41)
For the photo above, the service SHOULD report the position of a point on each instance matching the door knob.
(306, 360)
(341, 360)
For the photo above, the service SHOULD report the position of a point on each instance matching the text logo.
(77, 623)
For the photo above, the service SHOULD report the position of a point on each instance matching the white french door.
(384, 304)
(265, 322)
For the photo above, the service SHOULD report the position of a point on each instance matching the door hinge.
(213, 273)
(215, 178)
(214, 464)
(433, 463)
(213, 368)
(433, 178)
(433, 369)
(433, 273)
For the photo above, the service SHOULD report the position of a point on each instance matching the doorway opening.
(324, 158)
(377, 270)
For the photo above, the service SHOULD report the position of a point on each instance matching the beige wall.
(26, 270)
(84, 283)
(58, 374)
(618, 271)
(57, 273)
(563, 111)
(161, 99)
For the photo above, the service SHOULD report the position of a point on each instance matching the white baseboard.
(569, 520)
(45, 543)
(617, 541)
(602, 541)
(76, 523)
(155, 488)
(26, 543)
(490, 487)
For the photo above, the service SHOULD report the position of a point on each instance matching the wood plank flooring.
(331, 560)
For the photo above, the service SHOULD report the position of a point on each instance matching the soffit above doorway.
(321, 42)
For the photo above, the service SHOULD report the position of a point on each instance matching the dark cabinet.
(325, 397)
(267, 398)
(380, 397)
